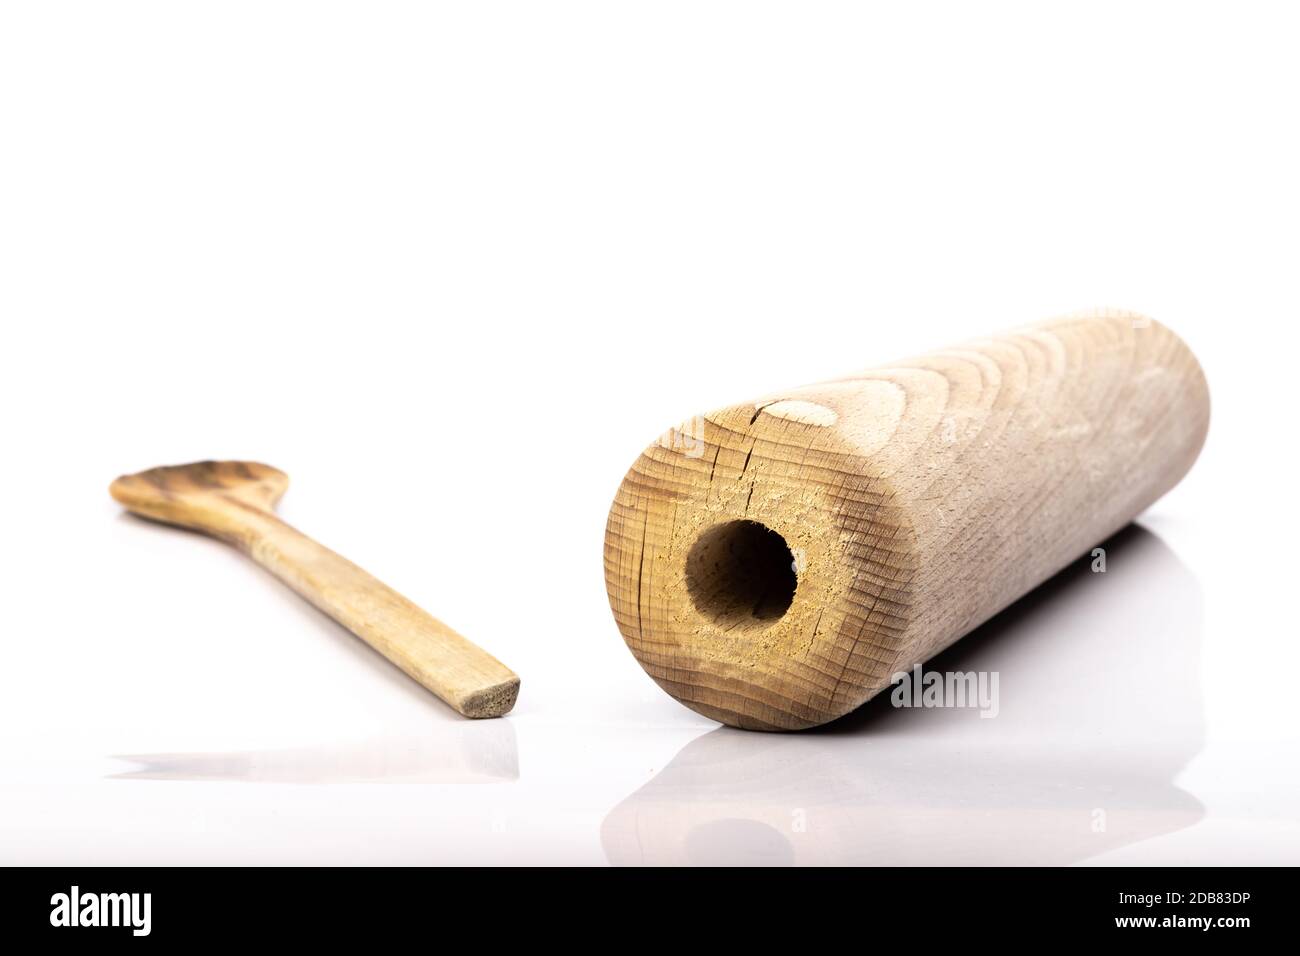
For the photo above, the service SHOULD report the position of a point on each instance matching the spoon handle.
(460, 672)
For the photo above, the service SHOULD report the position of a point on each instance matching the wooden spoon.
(235, 500)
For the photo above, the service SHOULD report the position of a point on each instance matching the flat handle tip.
(495, 700)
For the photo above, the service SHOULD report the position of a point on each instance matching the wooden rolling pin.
(774, 563)
(235, 501)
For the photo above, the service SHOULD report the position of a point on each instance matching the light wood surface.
(235, 501)
(774, 563)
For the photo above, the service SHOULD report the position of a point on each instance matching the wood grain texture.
(234, 501)
(772, 564)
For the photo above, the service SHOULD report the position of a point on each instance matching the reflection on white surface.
(481, 751)
(1100, 710)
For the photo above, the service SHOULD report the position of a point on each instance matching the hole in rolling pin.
(741, 573)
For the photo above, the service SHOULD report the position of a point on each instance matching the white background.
(451, 266)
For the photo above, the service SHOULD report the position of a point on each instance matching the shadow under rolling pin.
(1101, 712)
(773, 563)
(235, 500)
